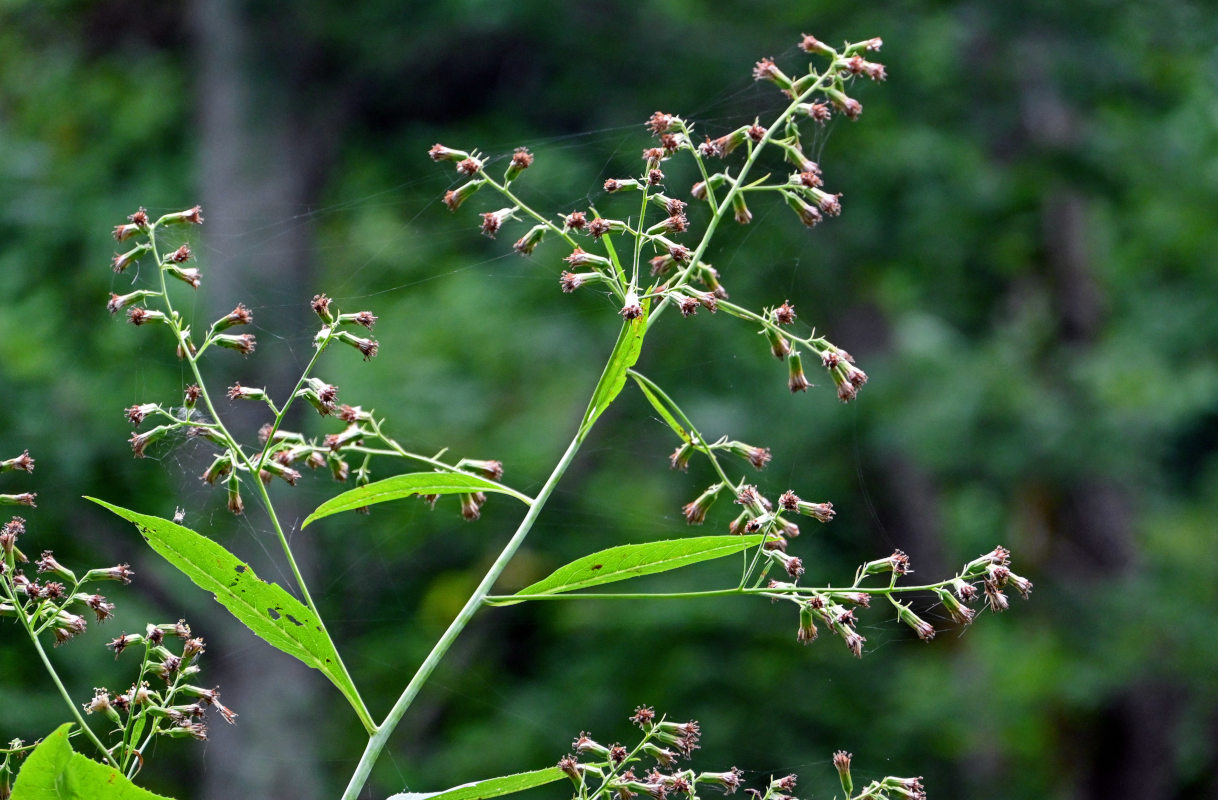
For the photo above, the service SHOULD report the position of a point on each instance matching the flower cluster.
(679, 275)
(51, 598)
(178, 710)
(279, 452)
(617, 772)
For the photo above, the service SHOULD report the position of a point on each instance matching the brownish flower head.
(831, 204)
(643, 715)
(655, 177)
(192, 394)
(101, 609)
(575, 221)
(490, 224)
(598, 227)
(677, 223)
(243, 343)
(659, 122)
(570, 281)
(321, 306)
(811, 179)
(680, 253)
(688, 305)
(181, 255)
(852, 108)
(617, 184)
(570, 767)
(819, 112)
(22, 462)
(810, 44)
(439, 152)
(784, 314)
(140, 218)
(469, 166)
(764, 69)
(522, 159)
(756, 132)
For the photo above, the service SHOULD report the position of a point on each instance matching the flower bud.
(238, 316)
(321, 306)
(841, 762)
(526, 244)
(139, 441)
(621, 185)
(757, 456)
(492, 221)
(22, 462)
(806, 633)
(120, 262)
(699, 189)
(765, 70)
(808, 215)
(22, 499)
(695, 512)
(960, 613)
(188, 275)
(741, 210)
(243, 343)
(453, 198)
(239, 392)
(47, 563)
(812, 45)
(579, 258)
(680, 457)
(522, 159)
(439, 152)
(796, 380)
(191, 216)
(339, 469)
(221, 466)
(924, 629)
(120, 301)
(281, 471)
(469, 166)
(368, 347)
(780, 346)
(491, 470)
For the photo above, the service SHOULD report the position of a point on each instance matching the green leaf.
(54, 772)
(265, 608)
(412, 483)
(661, 409)
(625, 354)
(491, 787)
(631, 560)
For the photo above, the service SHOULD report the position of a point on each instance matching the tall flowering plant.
(649, 246)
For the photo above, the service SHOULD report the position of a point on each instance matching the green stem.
(376, 743)
(63, 692)
(512, 599)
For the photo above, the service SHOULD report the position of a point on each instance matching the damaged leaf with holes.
(265, 608)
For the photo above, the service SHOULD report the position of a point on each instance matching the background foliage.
(1024, 266)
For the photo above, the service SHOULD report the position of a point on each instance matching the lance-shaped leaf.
(660, 407)
(54, 772)
(491, 787)
(631, 560)
(265, 608)
(625, 354)
(408, 485)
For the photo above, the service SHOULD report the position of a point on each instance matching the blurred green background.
(1025, 267)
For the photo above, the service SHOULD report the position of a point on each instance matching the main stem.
(376, 743)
